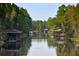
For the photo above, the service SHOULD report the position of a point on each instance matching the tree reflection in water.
(21, 52)
(67, 49)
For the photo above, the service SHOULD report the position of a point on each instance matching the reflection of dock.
(76, 44)
(77, 47)
(13, 40)
(59, 36)
(60, 42)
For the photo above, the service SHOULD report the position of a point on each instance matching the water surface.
(39, 47)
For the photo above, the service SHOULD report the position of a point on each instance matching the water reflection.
(41, 46)
(19, 52)
(44, 46)
(39, 37)
(51, 42)
(67, 49)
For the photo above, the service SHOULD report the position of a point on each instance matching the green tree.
(12, 16)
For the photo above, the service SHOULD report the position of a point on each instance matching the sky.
(41, 11)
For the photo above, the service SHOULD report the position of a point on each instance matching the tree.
(14, 17)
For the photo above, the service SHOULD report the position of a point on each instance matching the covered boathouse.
(13, 39)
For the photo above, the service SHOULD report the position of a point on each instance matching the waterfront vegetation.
(66, 19)
(14, 17)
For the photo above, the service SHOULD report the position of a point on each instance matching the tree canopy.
(67, 19)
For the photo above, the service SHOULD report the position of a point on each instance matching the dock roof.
(12, 31)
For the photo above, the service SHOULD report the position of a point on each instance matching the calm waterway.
(39, 47)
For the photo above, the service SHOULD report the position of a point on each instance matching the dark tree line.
(14, 17)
